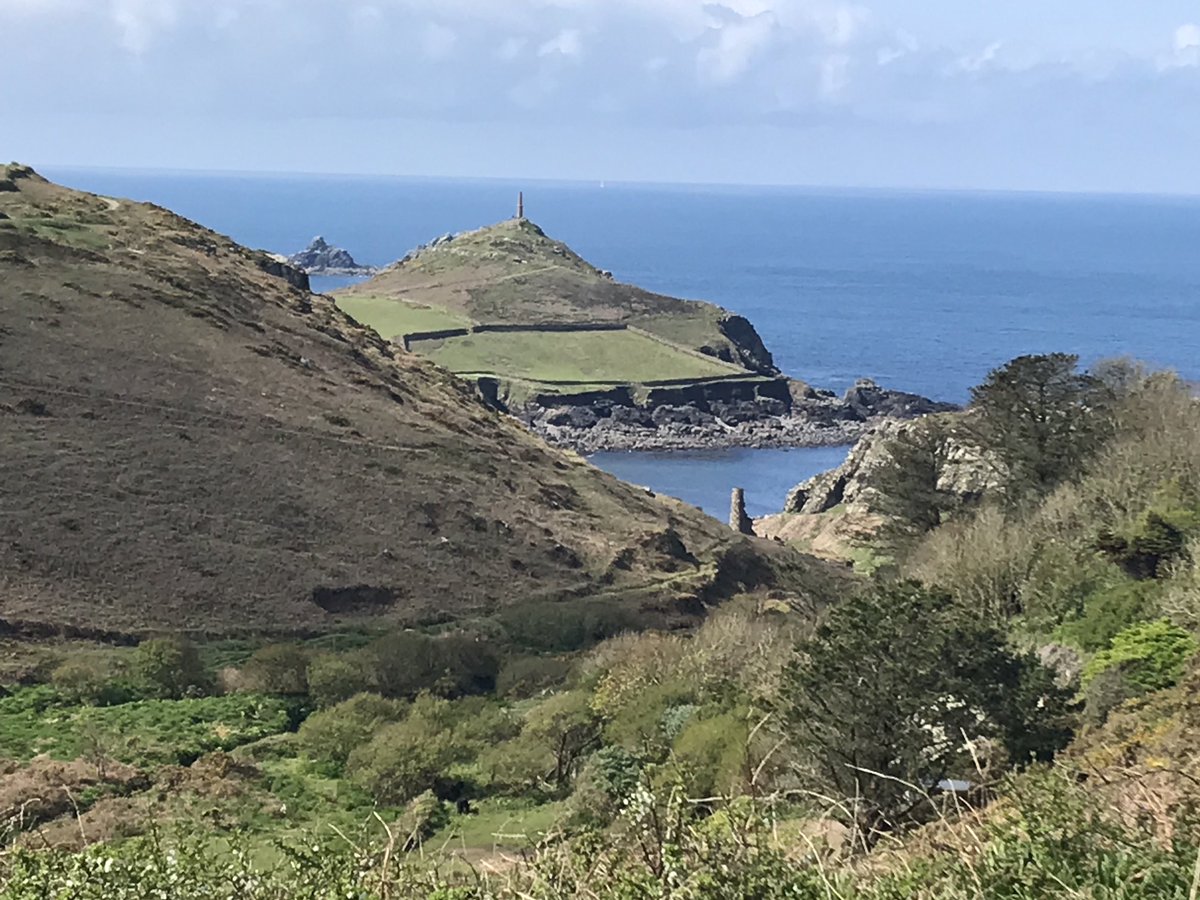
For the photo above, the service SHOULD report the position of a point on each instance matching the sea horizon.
(685, 186)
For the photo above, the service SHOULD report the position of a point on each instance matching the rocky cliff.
(321, 258)
(845, 505)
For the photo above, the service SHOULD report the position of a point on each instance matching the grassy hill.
(194, 441)
(512, 273)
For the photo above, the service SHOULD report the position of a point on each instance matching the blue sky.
(994, 94)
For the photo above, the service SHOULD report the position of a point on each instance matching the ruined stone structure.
(738, 520)
(520, 205)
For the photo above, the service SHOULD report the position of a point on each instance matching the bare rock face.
(321, 258)
(854, 484)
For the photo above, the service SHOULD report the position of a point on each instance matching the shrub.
(880, 697)
(331, 735)
(709, 755)
(563, 627)
(1155, 541)
(557, 734)
(1151, 656)
(101, 678)
(333, 679)
(406, 663)
(277, 669)
(527, 676)
(170, 668)
(606, 782)
(420, 752)
(1107, 613)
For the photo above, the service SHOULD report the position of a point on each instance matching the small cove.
(705, 478)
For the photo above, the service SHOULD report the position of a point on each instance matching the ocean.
(922, 291)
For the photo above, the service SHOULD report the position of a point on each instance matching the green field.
(603, 357)
(393, 318)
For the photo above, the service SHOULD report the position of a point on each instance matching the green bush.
(567, 626)
(99, 678)
(527, 676)
(1155, 541)
(1107, 613)
(406, 663)
(333, 679)
(1151, 656)
(331, 735)
(424, 751)
(277, 669)
(556, 736)
(879, 698)
(709, 755)
(169, 668)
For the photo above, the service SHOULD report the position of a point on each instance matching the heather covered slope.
(192, 440)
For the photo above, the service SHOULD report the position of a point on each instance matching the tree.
(878, 700)
(1040, 419)
(910, 484)
(332, 679)
(169, 668)
(277, 669)
(330, 736)
(423, 751)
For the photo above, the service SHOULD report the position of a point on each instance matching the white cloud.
(1187, 37)
(835, 76)
(140, 21)
(567, 42)
(1186, 47)
(977, 62)
(738, 43)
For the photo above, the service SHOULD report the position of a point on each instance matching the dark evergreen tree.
(910, 482)
(878, 702)
(1039, 418)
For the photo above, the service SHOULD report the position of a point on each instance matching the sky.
(1062, 95)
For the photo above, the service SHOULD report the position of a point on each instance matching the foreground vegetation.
(1009, 711)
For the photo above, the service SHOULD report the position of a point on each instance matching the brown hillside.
(190, 439)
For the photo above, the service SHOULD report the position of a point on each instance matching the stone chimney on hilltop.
(520, 206)
(738, 520)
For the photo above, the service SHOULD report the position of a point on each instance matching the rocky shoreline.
(810, 418)
(775, 433)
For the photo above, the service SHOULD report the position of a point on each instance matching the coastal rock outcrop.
(854, 485)
(765, 413)
(322, 258)
(837, 510)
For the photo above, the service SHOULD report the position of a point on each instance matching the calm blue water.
(922, 291)
(705, 478)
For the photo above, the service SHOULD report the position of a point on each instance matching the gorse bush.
(1150, 656)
